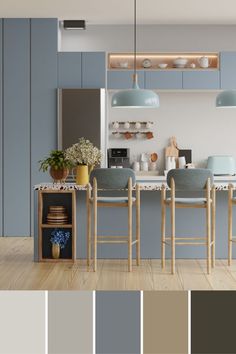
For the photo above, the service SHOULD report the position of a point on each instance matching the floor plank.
(19, 272)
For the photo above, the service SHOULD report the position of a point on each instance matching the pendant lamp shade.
(226, 99)
(135, 97)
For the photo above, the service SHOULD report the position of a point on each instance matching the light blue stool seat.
(194, 201)
(113, 199)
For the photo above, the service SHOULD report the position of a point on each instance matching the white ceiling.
(121, 11)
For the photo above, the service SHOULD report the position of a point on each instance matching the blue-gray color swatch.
(117, 322)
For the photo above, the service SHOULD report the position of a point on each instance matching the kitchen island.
(188, 222)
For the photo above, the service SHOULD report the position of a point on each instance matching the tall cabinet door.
(16, 134)
(228, 70)
(93, 70)
(1, 132)
(43, 94)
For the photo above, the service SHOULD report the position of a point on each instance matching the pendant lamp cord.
(135, 38)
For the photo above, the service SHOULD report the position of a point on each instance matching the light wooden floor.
(18, 271)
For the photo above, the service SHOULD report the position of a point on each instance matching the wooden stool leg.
(208, 222)
(95, 225)
(130, 225)
(88, 228)
(163, 227)
(172, 226)
(230, 224)
(137, 225)
(95, 238)
(213, 226)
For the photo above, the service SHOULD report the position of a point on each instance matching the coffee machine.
(118, 158)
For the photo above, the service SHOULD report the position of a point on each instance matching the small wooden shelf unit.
(55, 197)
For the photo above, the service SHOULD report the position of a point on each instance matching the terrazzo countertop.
(146, 184)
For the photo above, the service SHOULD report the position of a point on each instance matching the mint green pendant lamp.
(135, 97)
(226, 99)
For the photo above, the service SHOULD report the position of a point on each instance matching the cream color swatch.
(22, 322)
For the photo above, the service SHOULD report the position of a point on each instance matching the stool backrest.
(190, 179)
(112, 178)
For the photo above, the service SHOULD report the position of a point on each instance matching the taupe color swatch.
(165, 322)
(70, 322)
(22, 322)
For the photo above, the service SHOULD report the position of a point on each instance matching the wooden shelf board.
(52, 226)
(52, 260)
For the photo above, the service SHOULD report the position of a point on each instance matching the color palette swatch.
(213, 316)
(22, 322)
(117, 322)
(70, 322)
(165, 322)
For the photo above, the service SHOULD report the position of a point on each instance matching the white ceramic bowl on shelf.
(162, 65)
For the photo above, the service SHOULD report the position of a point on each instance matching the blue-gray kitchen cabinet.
(69, 70)
(93, 69)
(81, 69)
(201, 80)
(16, 124)
(163, 80)
(228, 70)
(117, 79)
(1, 132)
(43, 94)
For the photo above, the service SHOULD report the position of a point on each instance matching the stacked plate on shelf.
(57, 215)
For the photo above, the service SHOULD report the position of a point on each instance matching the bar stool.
(106, 179)
(231, 238)
(184, 180)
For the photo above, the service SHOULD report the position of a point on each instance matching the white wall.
(150, 38)
(190, 116)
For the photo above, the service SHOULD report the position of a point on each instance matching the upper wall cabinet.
(163, 80)
(93, 70)
(204, 80)
(123, 79)
(228, 70)
(81, 70)
(69, 70)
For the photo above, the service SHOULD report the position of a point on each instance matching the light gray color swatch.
(70, 322)
(22, 322)
(117, 322)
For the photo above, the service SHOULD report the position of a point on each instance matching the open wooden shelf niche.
(124, 61)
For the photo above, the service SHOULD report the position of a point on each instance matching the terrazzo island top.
(155, 184)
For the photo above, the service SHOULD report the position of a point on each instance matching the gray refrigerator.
(82, 113)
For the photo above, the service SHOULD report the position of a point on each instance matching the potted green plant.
(84, 155)
(57, 164)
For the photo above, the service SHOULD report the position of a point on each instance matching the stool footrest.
(187, 238)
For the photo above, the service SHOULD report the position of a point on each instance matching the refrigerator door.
(82, 114)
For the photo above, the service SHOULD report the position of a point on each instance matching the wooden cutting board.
(172, 150)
